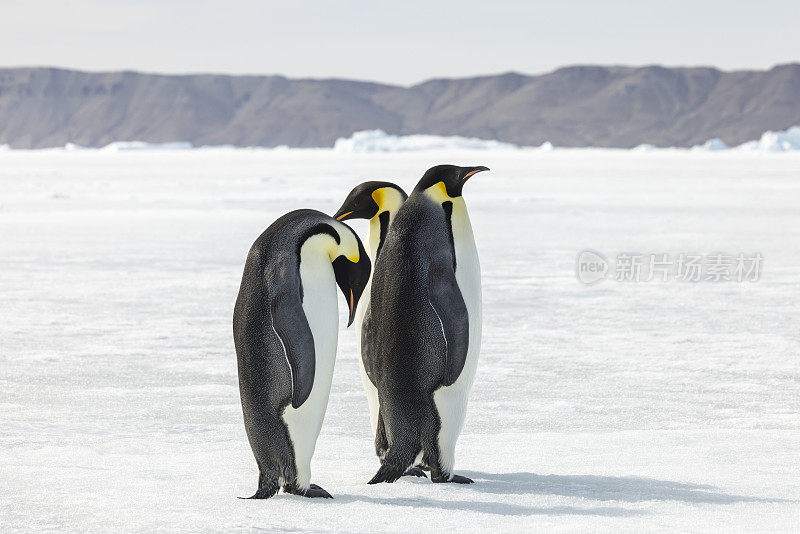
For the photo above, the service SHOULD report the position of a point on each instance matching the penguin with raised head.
(423, 331)
(377, 202)
(285, 329)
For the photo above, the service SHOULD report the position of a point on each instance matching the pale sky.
(400, 42)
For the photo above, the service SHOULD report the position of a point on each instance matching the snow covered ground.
(620, 406)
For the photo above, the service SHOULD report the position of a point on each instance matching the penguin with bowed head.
(377, 202)
(423, 331)
(285, 329)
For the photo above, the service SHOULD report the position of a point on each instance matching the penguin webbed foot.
(455, 479)
(415, 472)
(315, 491)
(312, 492)
(264, 492)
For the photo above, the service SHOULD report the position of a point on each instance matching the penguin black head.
(451, 177)
(369, 199)
(351, 268)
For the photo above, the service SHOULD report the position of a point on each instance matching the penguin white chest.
(451, 401)
(468, 276)
(369, 387)
(373, 240)
(321, 311)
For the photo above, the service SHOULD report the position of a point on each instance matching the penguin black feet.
(264, 492)
(415, 472)
(312, 492)
(456, 479)
(391, 474)
(266, 488)
(315, 491)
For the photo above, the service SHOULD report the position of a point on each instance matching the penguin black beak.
(353, 304)
(342, 216)
(349, 208)
(468, 172)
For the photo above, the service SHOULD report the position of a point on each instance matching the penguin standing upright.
(423, 327)
(377, 202)
(285, 329)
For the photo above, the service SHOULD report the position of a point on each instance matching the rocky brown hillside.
(573, 106)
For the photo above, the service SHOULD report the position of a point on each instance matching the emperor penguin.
(377, 202)
(285, 329)
(422, 332)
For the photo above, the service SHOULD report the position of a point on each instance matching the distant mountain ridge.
(573, 106)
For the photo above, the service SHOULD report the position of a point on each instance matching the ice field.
(618, 407)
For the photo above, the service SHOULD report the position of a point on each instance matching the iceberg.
(711, 145)
(644, 147)
(780, 141)
(380, 141)
(121, 146)
(377, 141)
(770, 141)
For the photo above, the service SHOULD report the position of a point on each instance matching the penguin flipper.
(447, 301)
(367, 357)
(291, 326)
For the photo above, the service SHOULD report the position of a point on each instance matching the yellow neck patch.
(378, 196)
(347, 247)
(345, 251)
(438, 192)
(387, 199)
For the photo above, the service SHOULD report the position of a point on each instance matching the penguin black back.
(276, 346)
(414, 298)
(418, 330)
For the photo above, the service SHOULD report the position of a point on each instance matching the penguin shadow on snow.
(494, 508)
(591, 487)
(468, 504)
(606, 488)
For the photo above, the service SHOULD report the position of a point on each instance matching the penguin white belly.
(451, 401)
(369, 387)
(373, 239)
(321, 310)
